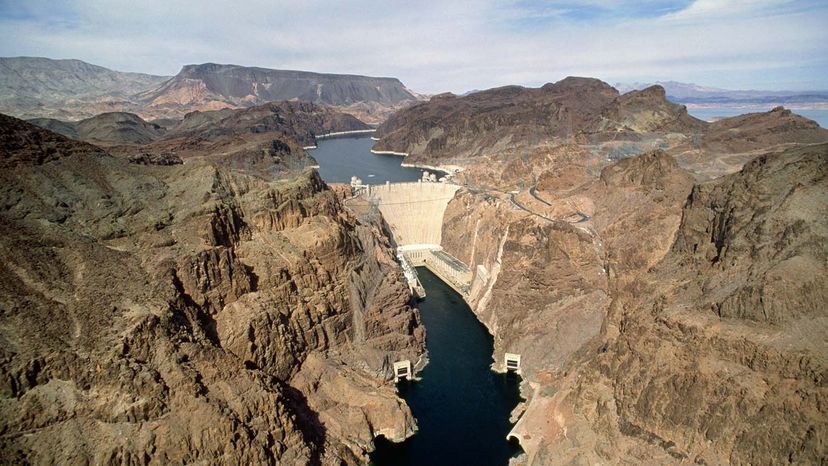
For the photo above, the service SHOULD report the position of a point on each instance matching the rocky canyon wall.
(671, 322)
(190, 313)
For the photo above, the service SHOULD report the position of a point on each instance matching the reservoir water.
(711, 113)
(341, 158)
(462, 407)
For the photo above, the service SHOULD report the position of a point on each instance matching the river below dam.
(462, 407)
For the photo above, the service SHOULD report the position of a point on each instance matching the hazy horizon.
(771, 45)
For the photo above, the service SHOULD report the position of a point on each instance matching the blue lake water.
(462, 407)
(708, 114)
(341, 158)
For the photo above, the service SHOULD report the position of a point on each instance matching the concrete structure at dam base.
(432, 256)
(414, 213)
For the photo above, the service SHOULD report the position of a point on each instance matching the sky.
(438, 46)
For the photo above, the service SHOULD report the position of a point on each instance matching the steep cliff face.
(550, 269)
(190, 314)
(539, 285)
(715, 355)
(545, 263)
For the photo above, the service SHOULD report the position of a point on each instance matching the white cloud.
(716, 9)
(437, 46)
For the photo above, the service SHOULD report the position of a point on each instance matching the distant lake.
(341, 158)
(708, 114)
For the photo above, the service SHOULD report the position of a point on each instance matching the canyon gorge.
(179, 284)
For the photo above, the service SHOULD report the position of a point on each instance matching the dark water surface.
(341, 158)
(462, 407)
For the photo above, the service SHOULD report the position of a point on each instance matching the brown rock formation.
(704, 340)
(264, 140)
(32, 87)
(717, 354)
(188, 313)
(489, 121)
(493, 133)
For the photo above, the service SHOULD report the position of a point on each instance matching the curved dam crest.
(414, 211)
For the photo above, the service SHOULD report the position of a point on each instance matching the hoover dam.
(414, 213)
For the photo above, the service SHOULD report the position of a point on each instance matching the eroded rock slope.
(190, 313)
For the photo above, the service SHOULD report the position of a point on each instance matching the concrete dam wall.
(414, 211)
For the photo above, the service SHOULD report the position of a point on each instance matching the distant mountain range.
(695, 95)
(73, 90)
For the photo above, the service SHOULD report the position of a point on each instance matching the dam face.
(414, 211)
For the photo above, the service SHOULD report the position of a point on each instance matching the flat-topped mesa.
(212, 86)
(73, 90)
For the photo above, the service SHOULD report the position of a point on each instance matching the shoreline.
(448, 169)
(343, 133)
(389, 152)
(758, 106)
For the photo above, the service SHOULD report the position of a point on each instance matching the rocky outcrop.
(148, 315)
(255, 139)
(713, 355)
(22, 143)
(758, 238)
(754, 131)
(544, 271)
(580, 110)
(669, 321)
(106, 129)
(648, 110)
(449, 127)
(491, 134)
